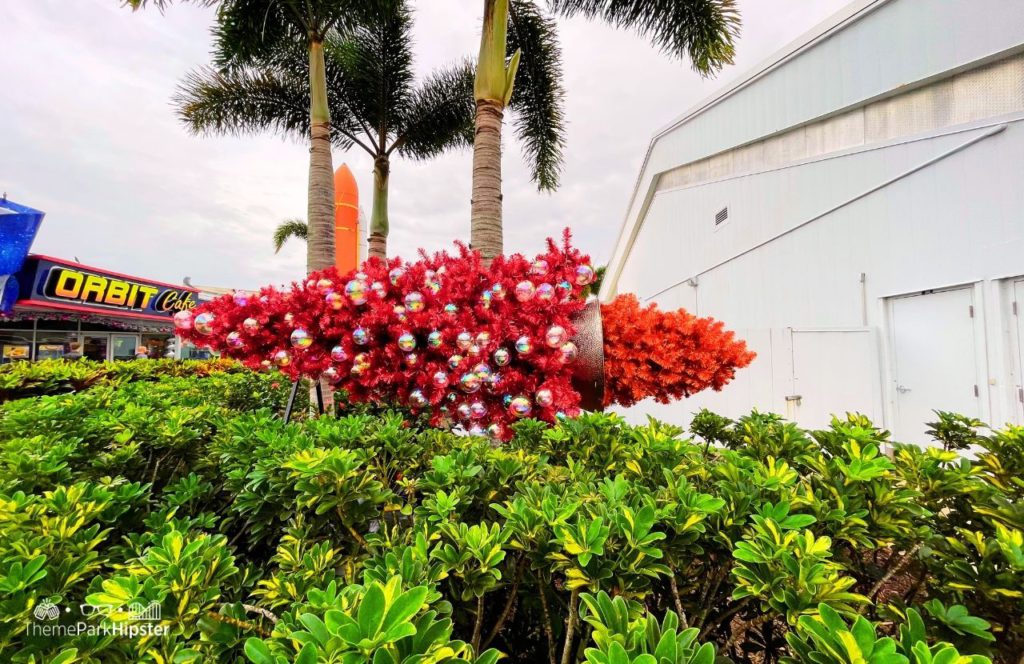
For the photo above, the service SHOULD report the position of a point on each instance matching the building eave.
(842, 19)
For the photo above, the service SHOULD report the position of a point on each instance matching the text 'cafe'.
(65, 308)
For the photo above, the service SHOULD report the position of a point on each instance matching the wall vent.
(721, 216)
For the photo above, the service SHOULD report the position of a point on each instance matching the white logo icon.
(150, 612)
(46, 610)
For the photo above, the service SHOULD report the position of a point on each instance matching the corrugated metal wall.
(917, 188)
(984, 92)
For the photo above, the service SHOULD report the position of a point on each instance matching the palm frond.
(376, 60)
(248, 30)
(241, 101)
(537, 96)
(289, 228)
(703, 30)
(248, 100)
(161, 5)
(440, 115)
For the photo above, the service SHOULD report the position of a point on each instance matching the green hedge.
(20, 380)
(371, 538)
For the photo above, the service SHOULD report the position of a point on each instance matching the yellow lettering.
(147, 294)
(92, 290)
(117, 293)
(68, 284)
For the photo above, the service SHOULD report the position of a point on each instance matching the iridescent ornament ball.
(204, 323)
(414, 301)
(355, 291)
(520, 407)
(406, 342)
(525, 291)
(334, 300)
(470, 382)
(301, 339)
(555, 336)
(584, 275)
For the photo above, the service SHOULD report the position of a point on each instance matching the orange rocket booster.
(346, 220)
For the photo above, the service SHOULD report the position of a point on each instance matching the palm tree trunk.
(378, 239)
(492, 90)
(320, 244)
(486, 223)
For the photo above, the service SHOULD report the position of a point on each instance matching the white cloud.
(89, 136)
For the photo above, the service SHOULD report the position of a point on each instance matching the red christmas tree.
(665, 354)
(479, 345)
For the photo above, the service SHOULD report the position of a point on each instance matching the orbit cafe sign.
(99, 291)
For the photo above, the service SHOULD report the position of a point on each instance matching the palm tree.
(255, 33)
(371, 96)
(289, 228)
(519, 68)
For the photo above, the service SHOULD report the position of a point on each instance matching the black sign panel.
(82, 288)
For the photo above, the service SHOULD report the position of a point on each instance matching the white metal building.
(854, 209)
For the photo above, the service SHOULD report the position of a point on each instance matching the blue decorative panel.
(18, 227)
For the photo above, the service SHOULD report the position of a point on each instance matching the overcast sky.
(88, 135)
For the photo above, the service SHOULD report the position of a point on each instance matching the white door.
(1018, 317)
(935, 360)
(834, 372)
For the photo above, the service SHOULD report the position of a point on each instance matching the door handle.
(901, 389)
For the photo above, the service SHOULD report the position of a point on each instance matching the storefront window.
(190, 352)
(95, 347)
(52, 345)
(15, 347)
(99, 340)
(156, 344)
(123, 346)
